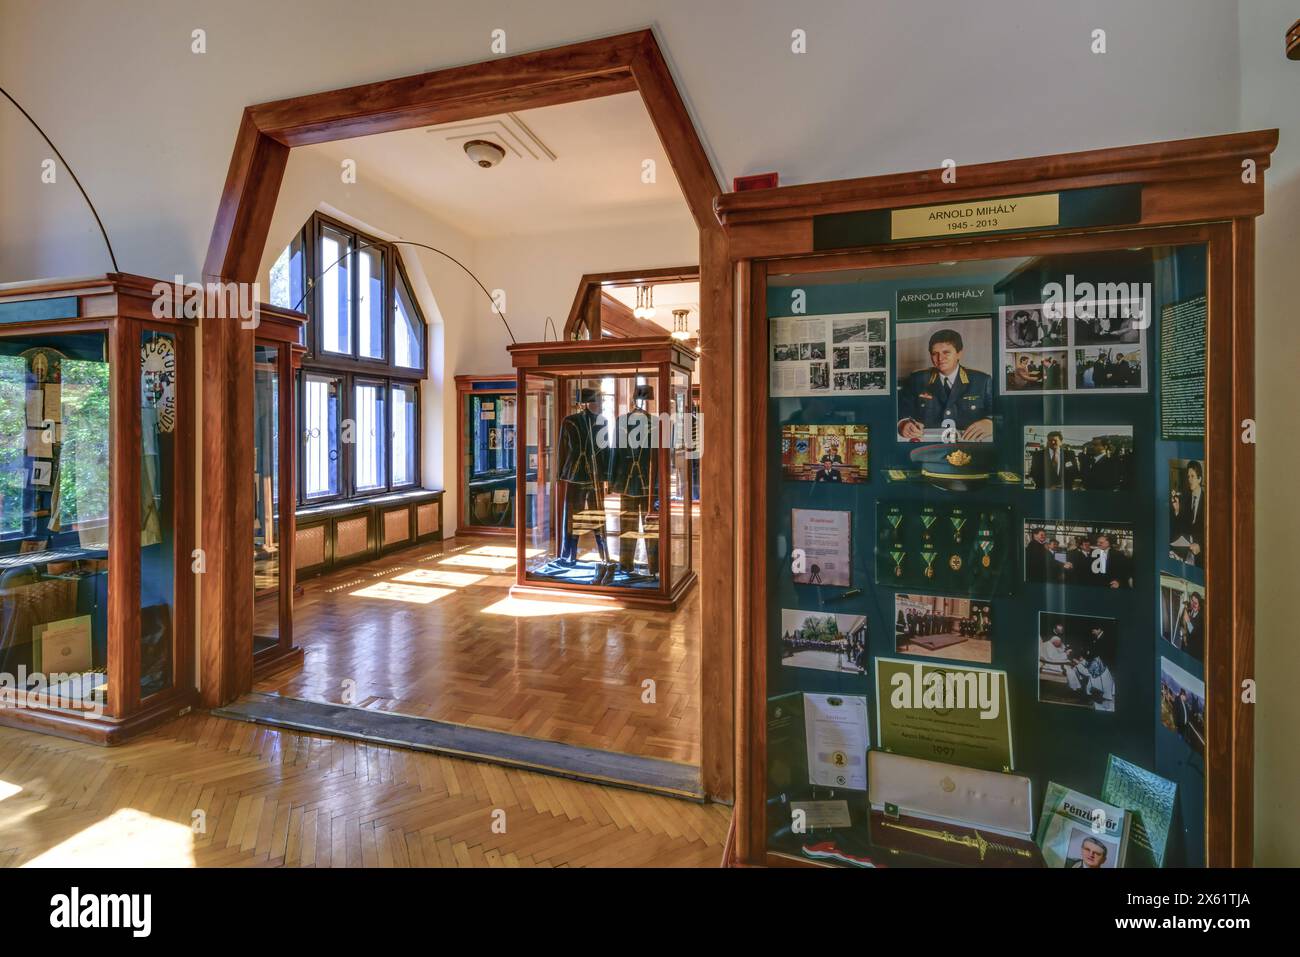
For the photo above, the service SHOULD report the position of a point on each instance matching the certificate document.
(836, 726)
(823, 537)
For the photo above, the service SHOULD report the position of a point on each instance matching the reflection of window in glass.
(408, 329)
(403, 434)
(368, 408)
(83, 458)
(320, 425)
(335, 291)
(370, 303)
(12, 423)
(287, 276)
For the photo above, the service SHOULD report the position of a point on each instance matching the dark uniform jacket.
(921, 398)
(581, 462)
(1067, 469)
(631, 469)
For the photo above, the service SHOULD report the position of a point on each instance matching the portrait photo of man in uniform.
(945, 392)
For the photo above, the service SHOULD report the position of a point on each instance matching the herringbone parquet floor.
(432, 632)
(205, 791)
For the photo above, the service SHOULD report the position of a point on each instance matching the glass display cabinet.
(277, 356)
(486, 446)
(1000, 470)
(96, 506)
(603, 467)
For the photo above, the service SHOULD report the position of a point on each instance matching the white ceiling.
(574, 166)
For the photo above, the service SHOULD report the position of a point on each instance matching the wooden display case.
(485, 448)
(97, 553)
(605, 484)
(1178, 213)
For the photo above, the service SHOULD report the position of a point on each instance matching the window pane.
(287, 276)
(320, 423)
(335, 291)
(404, 418)
(371, 461)
(370, 304)
(408, 330)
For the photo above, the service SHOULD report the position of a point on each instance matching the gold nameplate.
(978, 216)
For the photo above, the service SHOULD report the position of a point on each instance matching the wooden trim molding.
(584, 307)
(580, 71)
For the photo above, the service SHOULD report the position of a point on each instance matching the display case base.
(102, 731)
(611, 598)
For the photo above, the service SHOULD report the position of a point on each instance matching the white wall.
(885, 85)
(1270, 97)
(539, 275)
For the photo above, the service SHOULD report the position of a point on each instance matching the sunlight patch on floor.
(528, 608)
(435, 576)
(128, 838)
(396, 591)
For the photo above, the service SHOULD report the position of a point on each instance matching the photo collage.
(953, 559)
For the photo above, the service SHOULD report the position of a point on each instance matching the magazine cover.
(1080, 831)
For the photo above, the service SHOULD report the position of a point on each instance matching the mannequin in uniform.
(581, 471)
(631, 475)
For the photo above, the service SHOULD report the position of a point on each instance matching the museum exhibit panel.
(603, 463)
(485, 432)
(277, 356)
(996, 467)
(96, 510)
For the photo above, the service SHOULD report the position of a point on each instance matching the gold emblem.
(929, 573)
(986, 561)
(958, 458)
(955, 563)
(948, 785)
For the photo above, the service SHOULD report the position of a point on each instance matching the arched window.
(367, 351)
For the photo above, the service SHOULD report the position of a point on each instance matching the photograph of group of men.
(945, 391)
(1182, 704)
(1073, 553)
(935, 626)
(1045, 351)
(1098, 369)
(811, 639)
(1187, 511)
(1182, 615)
(1075, 655)
(1076, 458)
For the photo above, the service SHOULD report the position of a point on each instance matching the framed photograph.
(1182, 704)
(1076, 347)
(42, 473)
(1187, 507)
(1043, 371)
(1076, 654)
(1182, 615)
(826, 642)
(1079, 553)
(945, 387)
(825, 453)
(1091, 851)
(936, 626)
(822, 539)
(1109, 369)
(1076, 458)
(815, 355)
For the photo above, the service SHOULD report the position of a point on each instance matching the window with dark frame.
(358, 391)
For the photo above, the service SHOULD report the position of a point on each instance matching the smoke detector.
(484, 153)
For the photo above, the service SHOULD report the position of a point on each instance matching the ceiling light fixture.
(645, 302)
(484, 153)
(680, 328)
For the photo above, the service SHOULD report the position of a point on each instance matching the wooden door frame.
(580, 71)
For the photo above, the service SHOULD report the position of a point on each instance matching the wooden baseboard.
(101, 731)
